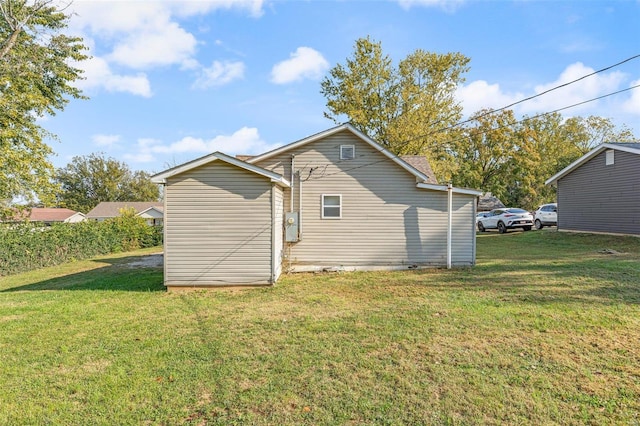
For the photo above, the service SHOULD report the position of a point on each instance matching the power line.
(542, 93)
(493, 111)
(485, 131)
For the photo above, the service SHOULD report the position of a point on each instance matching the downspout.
(293, 156)
(299, 206)
(449, 222)
(165, 187)
(274, 229)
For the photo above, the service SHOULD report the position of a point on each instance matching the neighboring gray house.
(152, 211)
(333, 201)
(600, 192)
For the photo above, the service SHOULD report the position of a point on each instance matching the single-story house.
(49, 215)
(600, 192)
(152, 211)
(335, 200)
(488, 202)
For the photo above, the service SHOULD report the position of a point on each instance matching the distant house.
(51, 215)
(488, 202)
(335, 200)
(152, 211)
(600, 192)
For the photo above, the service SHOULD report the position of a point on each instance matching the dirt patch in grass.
(148, 261)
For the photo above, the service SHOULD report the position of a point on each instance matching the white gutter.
(449, 222)
(455, 190)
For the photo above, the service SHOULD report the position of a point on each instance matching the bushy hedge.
(24, 246)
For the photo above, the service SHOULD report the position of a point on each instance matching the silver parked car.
(481, 215)
(546, 215)
(505, 219)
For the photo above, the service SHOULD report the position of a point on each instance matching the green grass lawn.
(544, 330)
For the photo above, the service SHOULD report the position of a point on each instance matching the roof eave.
(346, 126)
(444, 188)
(162, 177)
(586, 157)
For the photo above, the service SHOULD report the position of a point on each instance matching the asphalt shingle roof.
(420, 163)
(112, 208)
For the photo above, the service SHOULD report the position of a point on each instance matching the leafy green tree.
(36, 76)
(89, 180)
(512, 159)
(404, 108)
(485, 151)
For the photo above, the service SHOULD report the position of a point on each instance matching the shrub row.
(25, 246)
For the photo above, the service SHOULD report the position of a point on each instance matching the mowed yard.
(544, 330)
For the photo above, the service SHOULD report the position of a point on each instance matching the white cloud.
(480, 94)
(220, 73)
(305, 62)
(98, 74)
(583, 90)
(632, 105)
(446, 5)
(105, 140)
(244, 141)
(141, 35)
(254, 7)
(153, 47)
(140, 157)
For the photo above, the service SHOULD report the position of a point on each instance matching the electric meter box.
(291, 226)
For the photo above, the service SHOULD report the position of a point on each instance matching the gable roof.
(633, 148)
(47, 214)
(112, 208)
(488, 201)
(348, 127)
(159, 209)
(218, 156)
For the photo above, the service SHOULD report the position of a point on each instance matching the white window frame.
(339, 206)
(353, 151)
(609, 157)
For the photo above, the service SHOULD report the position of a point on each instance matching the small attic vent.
(347, 152)
(609, 157)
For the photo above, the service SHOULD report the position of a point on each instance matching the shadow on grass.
(131, 273)
(591, 280)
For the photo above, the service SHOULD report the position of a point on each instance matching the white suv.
(546, 215)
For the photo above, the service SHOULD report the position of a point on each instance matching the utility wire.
(537, 95)
(324, 175)
(493, 111)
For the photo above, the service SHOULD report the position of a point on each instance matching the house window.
(609, 157)
(331, 206)
(347, 152)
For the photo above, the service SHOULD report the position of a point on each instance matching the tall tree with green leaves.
(513, 158)
(89, 180)
(36, 76)
(405, 108)
(484, 152)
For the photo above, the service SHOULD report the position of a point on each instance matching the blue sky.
(171, 81)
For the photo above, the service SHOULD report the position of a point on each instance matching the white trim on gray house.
(163, 176)
(632, 148)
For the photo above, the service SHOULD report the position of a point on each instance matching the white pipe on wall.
(449, 222)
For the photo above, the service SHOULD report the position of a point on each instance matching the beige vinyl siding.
(218, 227)
(385, 220)
(597, 197)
